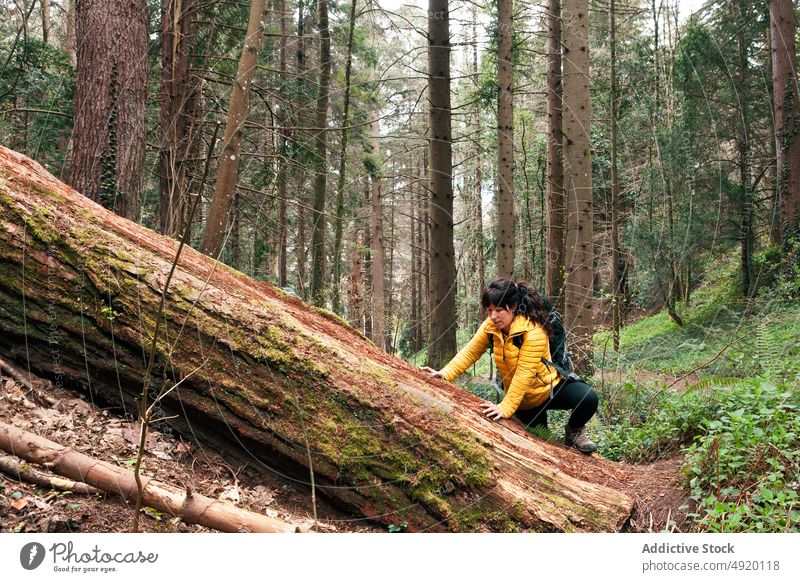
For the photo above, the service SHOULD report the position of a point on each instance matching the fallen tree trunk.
(13, 467)
(269, 378)
(192, 507)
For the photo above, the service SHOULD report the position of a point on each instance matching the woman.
(519, 328)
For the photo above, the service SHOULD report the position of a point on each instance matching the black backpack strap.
(559, 369)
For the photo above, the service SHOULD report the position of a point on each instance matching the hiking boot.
(576, 437)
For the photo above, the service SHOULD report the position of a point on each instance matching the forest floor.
(98, 432)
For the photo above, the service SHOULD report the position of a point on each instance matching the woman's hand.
(432, 372)
(491, 410)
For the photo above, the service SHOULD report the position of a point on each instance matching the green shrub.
(644, 424)
(740, 439)
(744, 471)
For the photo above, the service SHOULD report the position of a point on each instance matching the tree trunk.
(505, 139)
(283, 142)
(377, 252)
(479, 263)
(69, 44)
(426, 247)
(746, 236)
(555, 269)
(414, 306)
(787, 112)
(46, 21)
(442, 344)
(616, 279)
(355, 295)
(301, 143)
(262, 374)
(771, 176)
(578, 174)
(420, 272)
(367, 259)
(302, 239)
(321, 159)
(389, 315)
(191, 507)
(336, 288)
(110, 95)
(176, 115)
(228, 172)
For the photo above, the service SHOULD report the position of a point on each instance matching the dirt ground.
(98, 432)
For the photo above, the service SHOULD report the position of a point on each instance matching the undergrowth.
(740, 439)
(722, 335)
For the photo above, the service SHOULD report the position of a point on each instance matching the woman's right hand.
(432, 372)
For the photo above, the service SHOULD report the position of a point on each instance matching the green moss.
(376, 373)
(475, 519)
(330, 315)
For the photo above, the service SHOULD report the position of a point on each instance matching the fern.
(762, 350)
(707, 384)
(543, 433)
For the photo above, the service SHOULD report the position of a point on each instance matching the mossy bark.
(264, 376)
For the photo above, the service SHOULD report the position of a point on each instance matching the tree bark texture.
(442, 268)
(746, 202)
(110, 94)
(336, 288)
(69, 43)
(192, 507)
(177, 114)
(578, 180)
(321, 158)
(377, 250)
(616, 260)
(505, 139)
(555, 269)
(478, 261)
(787, 111)
(262, 373)
(283, 143)
(45, 21)
(16, 469)
(228, 172)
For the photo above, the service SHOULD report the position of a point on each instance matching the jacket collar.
(519, 325)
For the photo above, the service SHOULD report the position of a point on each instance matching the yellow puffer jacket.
(526, 378)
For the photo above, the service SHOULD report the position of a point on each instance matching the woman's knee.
(589, 399)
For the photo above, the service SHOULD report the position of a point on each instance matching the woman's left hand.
(491, 410)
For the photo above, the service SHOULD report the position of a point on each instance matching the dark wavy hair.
(505, 292)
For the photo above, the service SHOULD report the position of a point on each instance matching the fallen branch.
(191, 507)
(15, 469)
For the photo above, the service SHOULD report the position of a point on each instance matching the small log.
(191, 507)
(12, 467)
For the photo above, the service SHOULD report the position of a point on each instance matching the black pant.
(568, 394)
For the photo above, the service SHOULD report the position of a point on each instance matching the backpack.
(558, 342)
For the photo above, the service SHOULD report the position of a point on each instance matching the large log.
(265, 376)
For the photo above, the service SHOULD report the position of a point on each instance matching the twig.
(144, 409)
